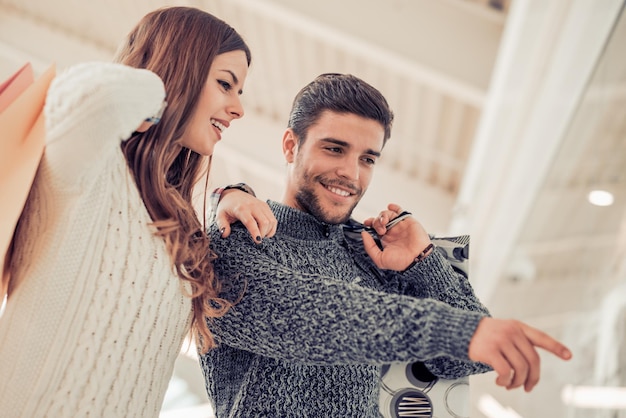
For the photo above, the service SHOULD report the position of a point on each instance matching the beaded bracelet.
(421, 255)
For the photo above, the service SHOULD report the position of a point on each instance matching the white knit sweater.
(98, 317)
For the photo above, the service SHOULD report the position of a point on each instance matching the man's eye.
(369, 161)
(334, 149)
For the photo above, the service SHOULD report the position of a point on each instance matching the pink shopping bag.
(22, 139)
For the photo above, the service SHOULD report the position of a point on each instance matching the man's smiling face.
(332, 168)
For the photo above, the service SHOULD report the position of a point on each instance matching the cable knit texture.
(317, 319)
(98, 317)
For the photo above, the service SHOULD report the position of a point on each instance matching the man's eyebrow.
(345, 144)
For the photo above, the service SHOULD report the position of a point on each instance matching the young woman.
(111, 264)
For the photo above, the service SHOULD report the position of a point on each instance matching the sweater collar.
(302, 225)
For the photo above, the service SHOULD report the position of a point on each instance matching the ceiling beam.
(292, 19)
(21, 38)
(547, 56)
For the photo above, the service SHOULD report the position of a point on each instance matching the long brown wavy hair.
(179, 44)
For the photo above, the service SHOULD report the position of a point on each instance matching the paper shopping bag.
(22, 139)
(15, 85)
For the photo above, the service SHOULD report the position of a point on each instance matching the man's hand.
(401, 244)
(509, 346)
(256, 215)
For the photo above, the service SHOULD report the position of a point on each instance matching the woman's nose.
(236, 108)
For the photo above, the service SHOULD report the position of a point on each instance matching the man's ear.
(290, 145)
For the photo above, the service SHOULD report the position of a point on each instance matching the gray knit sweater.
(316, 319)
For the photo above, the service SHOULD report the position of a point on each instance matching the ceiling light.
(594, 397)
(600, 198)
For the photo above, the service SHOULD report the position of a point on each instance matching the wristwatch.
(215, 197)
(240, 186)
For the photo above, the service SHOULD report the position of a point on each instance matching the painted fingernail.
(258, 238)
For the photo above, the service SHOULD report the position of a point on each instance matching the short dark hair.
(341, 93)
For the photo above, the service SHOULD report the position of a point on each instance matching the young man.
(317, 313)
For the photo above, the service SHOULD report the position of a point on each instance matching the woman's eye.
(225, 85)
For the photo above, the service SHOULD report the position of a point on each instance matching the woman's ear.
(290, 145)
(153, 120)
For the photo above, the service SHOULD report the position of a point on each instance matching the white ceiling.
(505, 120)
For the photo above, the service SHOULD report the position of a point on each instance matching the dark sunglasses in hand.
(352, 229)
